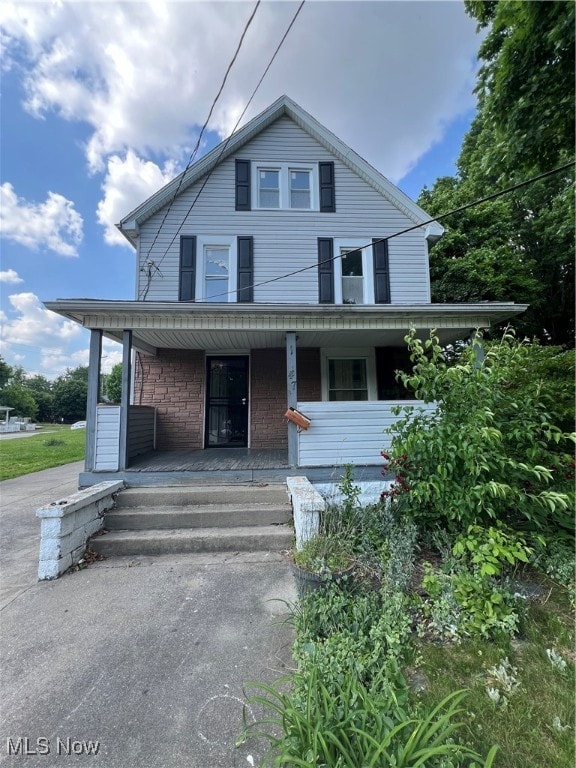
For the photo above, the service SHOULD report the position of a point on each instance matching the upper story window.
(353, 272)
(216, 277)
(285, 186)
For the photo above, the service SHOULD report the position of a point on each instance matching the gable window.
(300, 189)
(268, 188)
(348, 377)
(285, 186)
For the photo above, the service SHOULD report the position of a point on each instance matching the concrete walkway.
(146, 657)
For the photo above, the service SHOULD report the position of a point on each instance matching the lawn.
(53, 446)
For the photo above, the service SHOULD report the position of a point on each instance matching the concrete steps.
(155, 521)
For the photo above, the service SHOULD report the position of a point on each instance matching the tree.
(5, 372)
(113, 384)
(19, 398)
(70, 394)
(520, 246)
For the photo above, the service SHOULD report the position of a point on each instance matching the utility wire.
(493, 196)
(201, 134)
(225, 143)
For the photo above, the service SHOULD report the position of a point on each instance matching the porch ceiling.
(221, 327)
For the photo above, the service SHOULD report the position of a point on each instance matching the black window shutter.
(325, 270)
(327, 192)
(245, 269)
(381, 272)
(243, 185)
(187, 268)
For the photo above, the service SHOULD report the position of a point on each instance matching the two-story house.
(279, 271)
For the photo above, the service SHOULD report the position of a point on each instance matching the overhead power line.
(223, 148)
(462, 208)
(201, 134)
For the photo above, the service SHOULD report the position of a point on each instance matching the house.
(280, 271)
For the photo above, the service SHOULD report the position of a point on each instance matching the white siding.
(107, 438)
(347, 432)
(284, 241)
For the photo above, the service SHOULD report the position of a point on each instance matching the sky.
(102, 104)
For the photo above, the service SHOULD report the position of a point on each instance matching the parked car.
(78, 425)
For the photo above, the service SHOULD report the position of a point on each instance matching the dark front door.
(227, 402)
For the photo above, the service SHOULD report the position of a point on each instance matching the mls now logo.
(25, 746)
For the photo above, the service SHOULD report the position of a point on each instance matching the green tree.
(5, 372)
(519, 247)
(113, 384)
(16, 396)
(70, 393)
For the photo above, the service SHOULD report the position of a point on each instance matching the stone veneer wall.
(268, 392)
(173, 382)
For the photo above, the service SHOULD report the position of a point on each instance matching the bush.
(493, 449)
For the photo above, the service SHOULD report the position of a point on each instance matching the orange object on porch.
(298, 418)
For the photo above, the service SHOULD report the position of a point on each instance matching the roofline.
(283, 106)
(87, 311)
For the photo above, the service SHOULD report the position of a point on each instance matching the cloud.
(386, 77)
(10, 276)
(54, 224)
(128, 182)
(34, 325)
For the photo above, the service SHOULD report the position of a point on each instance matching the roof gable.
(283, 106)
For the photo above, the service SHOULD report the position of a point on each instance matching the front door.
(227, 402)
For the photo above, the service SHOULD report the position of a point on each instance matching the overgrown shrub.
(496, 446)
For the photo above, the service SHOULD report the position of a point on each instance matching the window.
(216, 273)
(285, 186)
(300, 189)
(268, 188)
(348, 376)
(353, 272)
(347, 379)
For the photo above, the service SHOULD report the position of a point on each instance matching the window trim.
(216, 241)
(367, 267)
(361, 353)
(284, 180)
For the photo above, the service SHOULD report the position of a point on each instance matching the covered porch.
(162, 430)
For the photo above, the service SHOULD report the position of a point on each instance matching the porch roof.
(221, 327)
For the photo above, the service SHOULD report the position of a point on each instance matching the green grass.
(54, 445)
(524, 727)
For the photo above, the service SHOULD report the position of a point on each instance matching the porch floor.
(211, 459)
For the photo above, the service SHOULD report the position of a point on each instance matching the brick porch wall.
(173, 382)
(268, 396)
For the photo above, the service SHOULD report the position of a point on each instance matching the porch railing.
(347, 432)
(141, 434)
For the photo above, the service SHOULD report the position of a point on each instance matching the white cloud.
(35, 326)
(128, 182)
(386, 77)
(10, 276)
(53, 224)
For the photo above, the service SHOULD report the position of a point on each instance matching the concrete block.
(51, 527)
(48, 569)
(307, 504)
(50, 549)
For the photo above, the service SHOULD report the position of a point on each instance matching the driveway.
(145, 658)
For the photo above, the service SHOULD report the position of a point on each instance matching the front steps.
(181, 519)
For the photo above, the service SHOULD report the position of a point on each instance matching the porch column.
(292, 390)
(92, 398)
(125, 400)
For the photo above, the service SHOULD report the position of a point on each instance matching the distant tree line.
(61, 400)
